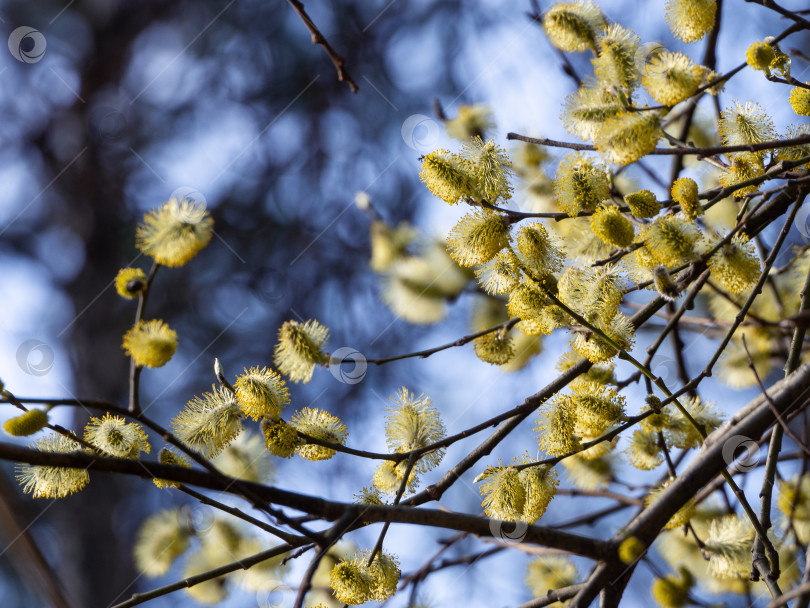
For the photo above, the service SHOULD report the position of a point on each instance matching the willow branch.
(318, 38)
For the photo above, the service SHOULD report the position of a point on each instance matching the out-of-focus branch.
(318, 38)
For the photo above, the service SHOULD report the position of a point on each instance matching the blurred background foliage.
(233, 104)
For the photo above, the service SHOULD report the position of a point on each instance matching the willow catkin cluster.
(354, 581)
(615, 63)
(574, 26)
(320, 425)
(581, 184)
(515, 495)
(685, 193)
(300, 348)
(670, 78)
(735, 265)
(626, 137)
(30, 422)
(209, 422)
(130, 282)
(414, 423)
(587, 109)
(114, 436)
(261, 392)
(175, 232)
(150, 343)
(691, 20)
(477, 238)
(42, 481)
(642, 203)
(610, 225)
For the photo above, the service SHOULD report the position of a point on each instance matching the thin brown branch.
(319, 38)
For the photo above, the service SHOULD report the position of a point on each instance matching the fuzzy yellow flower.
(413, 423)
(794, 505)
(26, 424)
(587, 109)
(491, 170)
(513, 495)
(685, 193)
(538, 252)
(130, 282)
(500, 275)
(280, 438)
(800, 100)
(736, 266)
(494, 348)
(355, 581)
(320, 425)
(759, 56)
(729, 545)
(672, 77)
(548, 573)
(671, 240)
(261, 392)
(169, 456)
(389, 475)
(175, 232)
(209, 422)
(162, 538)
(744, 166)
(642, 203)
(52, 482)
(470, 122)
(477, 238)
(573, 26)
(625, 138)
(616, 62)
(150, 343)
(691, 20)
(745, 124)
(630, 549)
(447, 176)
(114, 436)
(673, 591)
(581, 184)
(612, 227)
(299, 349)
